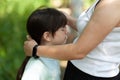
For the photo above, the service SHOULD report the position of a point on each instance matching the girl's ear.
(47, 36)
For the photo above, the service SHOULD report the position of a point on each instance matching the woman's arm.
(105, 17)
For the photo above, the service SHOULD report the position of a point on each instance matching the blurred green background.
(13, 17)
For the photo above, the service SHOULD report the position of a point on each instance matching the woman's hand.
(71, 21)
(28, 45)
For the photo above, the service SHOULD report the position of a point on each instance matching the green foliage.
(13, 17)
(87, 3)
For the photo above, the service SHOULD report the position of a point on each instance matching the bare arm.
(105, 17)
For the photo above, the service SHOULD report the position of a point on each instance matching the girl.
(46, 26)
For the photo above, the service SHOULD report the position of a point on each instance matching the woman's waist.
(97, 67)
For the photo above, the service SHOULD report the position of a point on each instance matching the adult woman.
(97, 46)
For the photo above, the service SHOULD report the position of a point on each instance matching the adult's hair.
(40, 21)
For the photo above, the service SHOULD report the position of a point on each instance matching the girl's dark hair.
(41, 20)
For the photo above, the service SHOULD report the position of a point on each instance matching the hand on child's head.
(28, 45)
(28, 37)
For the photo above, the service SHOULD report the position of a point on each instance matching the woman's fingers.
(28, 45)
(28, 37)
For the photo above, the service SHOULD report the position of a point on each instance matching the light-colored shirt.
(42, 69)
(104, 60)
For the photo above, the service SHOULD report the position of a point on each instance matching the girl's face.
(60, 36)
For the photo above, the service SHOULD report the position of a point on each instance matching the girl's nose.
(66, 30)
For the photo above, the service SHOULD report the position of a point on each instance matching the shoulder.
(108, 8)
(109, 3)
(34, 70)
(35, 65)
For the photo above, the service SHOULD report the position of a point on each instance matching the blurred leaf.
(13, 17)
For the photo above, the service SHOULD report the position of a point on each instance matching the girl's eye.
(63, 29)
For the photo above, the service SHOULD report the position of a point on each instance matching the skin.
(49, 39)
(105, 17)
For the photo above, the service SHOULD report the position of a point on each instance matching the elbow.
(80, 56)
(80, 53)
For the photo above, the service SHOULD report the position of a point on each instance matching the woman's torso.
(104, 60)
(42, 69)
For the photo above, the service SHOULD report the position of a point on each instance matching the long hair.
(41, 20)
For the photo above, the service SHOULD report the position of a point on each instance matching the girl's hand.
(28, 46)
